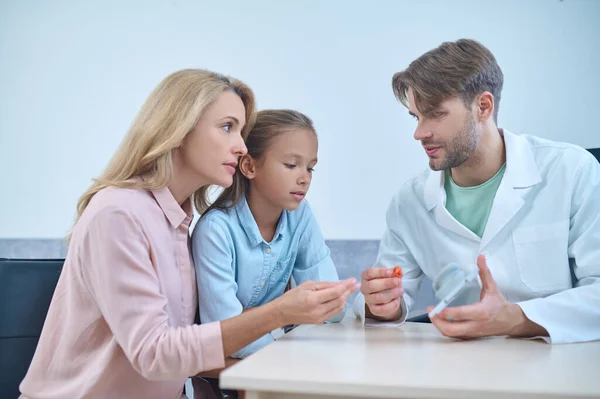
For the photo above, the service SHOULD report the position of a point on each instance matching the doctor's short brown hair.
(462, 69)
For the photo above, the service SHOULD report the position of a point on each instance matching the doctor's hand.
(382, 293)
(491, 316)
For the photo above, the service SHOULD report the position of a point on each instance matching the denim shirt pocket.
(281, 273)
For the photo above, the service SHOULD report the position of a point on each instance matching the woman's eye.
(289, 166)
(227, 128)
(311, 170)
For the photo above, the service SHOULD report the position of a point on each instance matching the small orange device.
(397, 272)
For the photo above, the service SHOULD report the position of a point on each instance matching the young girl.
(120, 324)
(260, 231)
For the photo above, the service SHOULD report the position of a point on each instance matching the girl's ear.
(248, 166)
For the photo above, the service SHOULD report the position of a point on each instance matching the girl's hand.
(314, 302)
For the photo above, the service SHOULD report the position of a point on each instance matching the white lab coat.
(542, 238)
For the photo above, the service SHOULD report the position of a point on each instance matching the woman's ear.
(248, 167)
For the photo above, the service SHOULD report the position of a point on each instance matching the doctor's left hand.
(492, 315)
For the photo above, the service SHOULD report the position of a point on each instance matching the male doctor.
(524, 209)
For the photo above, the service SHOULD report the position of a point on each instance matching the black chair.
(26, 289)
(422, 318)
(595, 152)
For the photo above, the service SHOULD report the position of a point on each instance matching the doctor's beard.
(460, 148)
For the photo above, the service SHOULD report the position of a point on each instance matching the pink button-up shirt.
(120, 324)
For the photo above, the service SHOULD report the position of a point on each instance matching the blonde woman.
(120, 324)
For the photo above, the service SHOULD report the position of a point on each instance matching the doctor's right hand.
(382, 293)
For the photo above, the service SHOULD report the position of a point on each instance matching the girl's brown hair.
(269, 124)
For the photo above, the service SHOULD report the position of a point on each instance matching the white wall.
(74, 73)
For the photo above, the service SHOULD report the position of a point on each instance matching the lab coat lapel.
(520, 176)
(435, 197)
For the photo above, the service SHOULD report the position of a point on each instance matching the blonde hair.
(168, 115)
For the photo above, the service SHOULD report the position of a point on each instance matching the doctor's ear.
(484, 106)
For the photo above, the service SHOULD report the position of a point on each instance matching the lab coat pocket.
(541, 254)
(281, 272)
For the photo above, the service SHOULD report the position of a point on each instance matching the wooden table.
(413, 361)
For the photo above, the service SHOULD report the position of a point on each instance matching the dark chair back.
(595, 152)
(26, 289)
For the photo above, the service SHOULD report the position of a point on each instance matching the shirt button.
(262, 283)
(268, 250)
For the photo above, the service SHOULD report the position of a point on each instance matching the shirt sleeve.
(573, 315)
(213, 250)
(313, 260)
(394, 252)
(120, 276)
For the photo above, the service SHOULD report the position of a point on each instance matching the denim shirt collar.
(251, 228)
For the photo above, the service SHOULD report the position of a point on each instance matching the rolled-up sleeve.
(313, 261)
